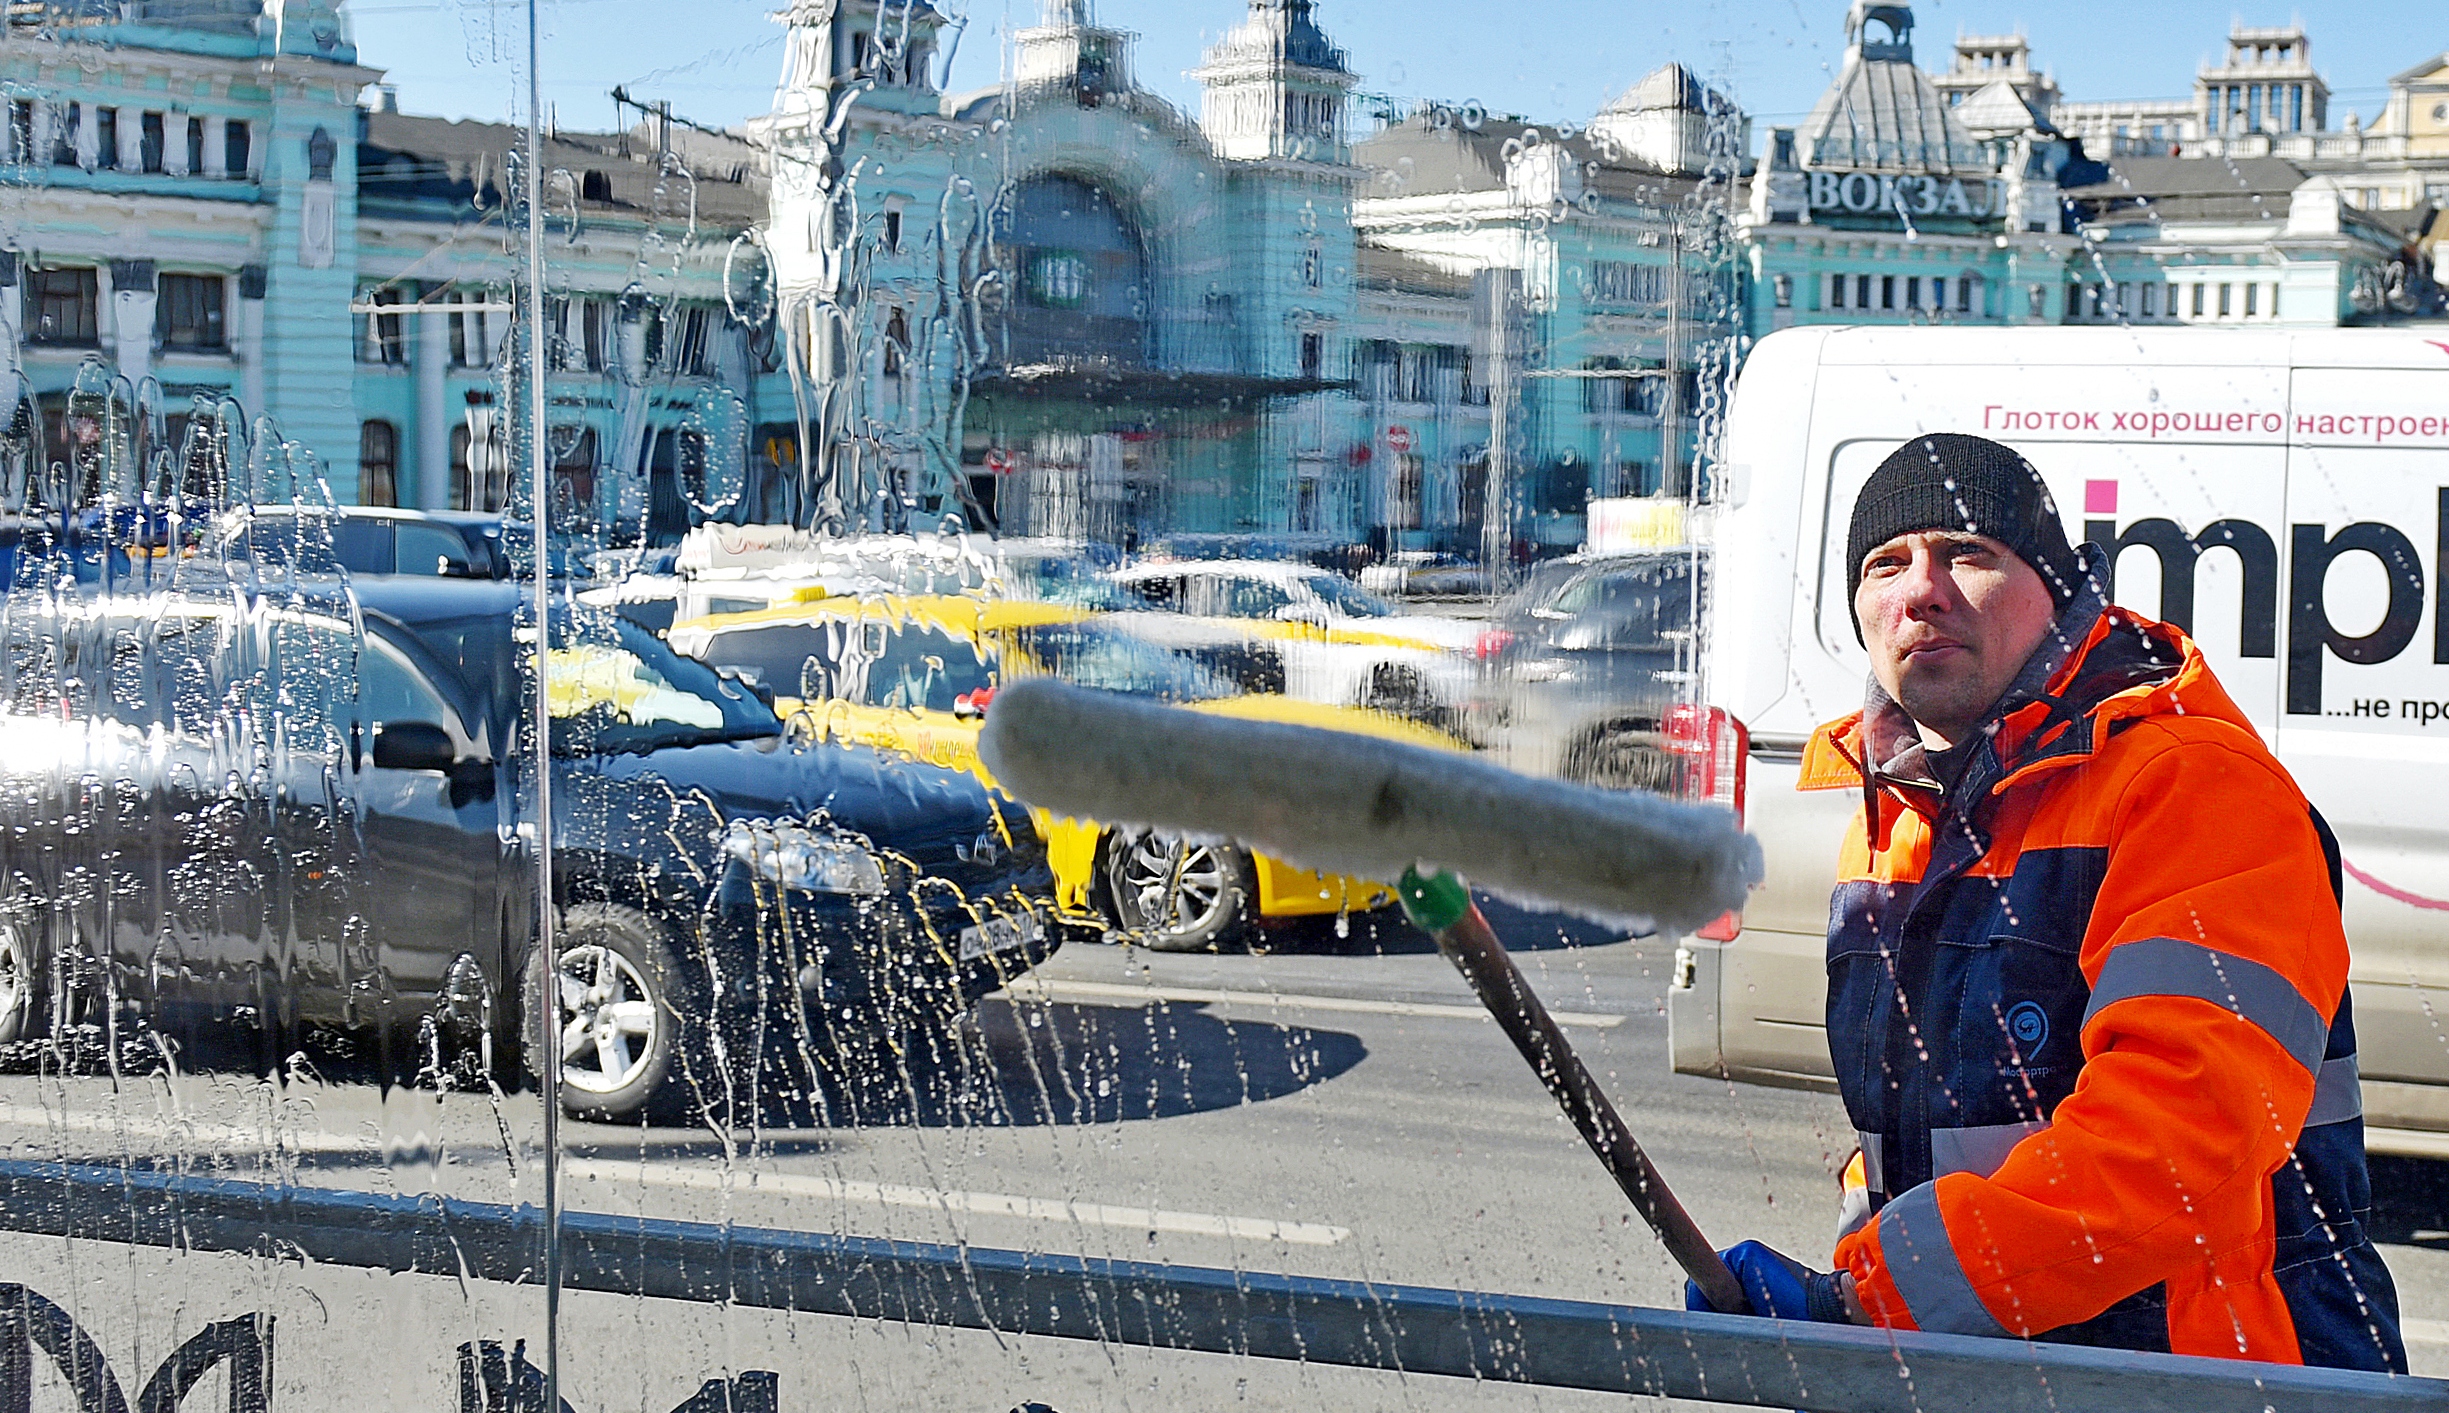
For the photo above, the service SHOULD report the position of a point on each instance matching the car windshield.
(516, 545)
(1111, 660)
(636, 695)
(1348, 598)
(1540, 588)
(920, 668)
(1648, 606)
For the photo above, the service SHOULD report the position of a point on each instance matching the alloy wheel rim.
(16, 978)
(1173, 886)
(609, 1020)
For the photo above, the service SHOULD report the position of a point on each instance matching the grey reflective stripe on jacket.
(1913, 1245)
(2164, 966)
(2338, 1093)
(1982, 1149)
(1874, 1167)
(1979, 1150)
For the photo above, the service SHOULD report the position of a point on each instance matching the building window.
(892, 232)
(106, 139)
(2151, 301)
(378, 463)
(2168, 301)
(1312, 275)
(195, 147)
(188, 315)
(595, 187)
(1964, 293)
(149, 143)
(2250, 292)
(1313, 356)
(2198, 300)
(2223, 301)
(2036, 301)
(1784, 291)
(1887, 291)
(461, 440)
(896, 343)
(65, 120)
(62, 307)
(2125, 299)
(237, 149)
(1403, 494)
(1623, 282)
(1862, 291)
(382, 338)
(579, 333)
(1836, 291)
(684, 341)
(469, 346)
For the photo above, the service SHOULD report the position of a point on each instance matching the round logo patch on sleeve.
(2028, 1026)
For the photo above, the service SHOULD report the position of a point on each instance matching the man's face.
(1949, 617)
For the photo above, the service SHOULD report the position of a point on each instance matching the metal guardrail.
(1414, 1329)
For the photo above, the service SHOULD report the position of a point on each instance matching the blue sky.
(717, 60)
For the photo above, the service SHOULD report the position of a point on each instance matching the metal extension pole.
(547, 1000)
(1442, 906)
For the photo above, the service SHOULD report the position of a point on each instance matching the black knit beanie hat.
(1951, 481)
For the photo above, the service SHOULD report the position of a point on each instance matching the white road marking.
(1032, 988)
(212, 1136)
(981, 1204)
(2424, 1331)
(234, 1137)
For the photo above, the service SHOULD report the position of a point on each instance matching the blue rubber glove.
(1777, 1285)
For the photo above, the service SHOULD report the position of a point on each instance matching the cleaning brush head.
(1341, 802)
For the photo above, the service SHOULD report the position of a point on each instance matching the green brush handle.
(1440, 905)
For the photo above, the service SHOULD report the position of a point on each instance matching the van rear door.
(2364, 710)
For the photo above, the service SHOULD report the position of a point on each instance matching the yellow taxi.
(916, 674)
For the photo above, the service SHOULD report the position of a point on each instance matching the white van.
(2284, 496)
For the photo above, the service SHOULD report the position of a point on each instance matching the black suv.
(308, 804)
(1580, 668)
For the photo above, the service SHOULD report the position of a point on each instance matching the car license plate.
(1001, 934)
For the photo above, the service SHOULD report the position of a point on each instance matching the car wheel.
(1398, 691)
(24, 1009)
(1171, 895)
(1623, 758)
(618, 1008)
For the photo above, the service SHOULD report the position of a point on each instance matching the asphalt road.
(1333, 1107)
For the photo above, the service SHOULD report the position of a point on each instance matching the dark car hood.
(917, 810)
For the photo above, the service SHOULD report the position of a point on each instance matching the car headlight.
(797, 857)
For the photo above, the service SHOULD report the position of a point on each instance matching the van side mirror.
(413, 745)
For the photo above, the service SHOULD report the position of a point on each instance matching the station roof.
(413, 165)
(1432, 153)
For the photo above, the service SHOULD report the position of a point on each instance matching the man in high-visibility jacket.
(2087, 985)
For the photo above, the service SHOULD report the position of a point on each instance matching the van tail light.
(1716, 754)
(1490, 643)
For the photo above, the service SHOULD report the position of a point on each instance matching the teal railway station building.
(1063, 306)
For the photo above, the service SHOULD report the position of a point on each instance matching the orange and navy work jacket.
(2088, 1010)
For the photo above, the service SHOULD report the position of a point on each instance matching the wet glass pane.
(894, 705)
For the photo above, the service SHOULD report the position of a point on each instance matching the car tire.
(1623, 758)
(1398, 691)
(1212, 897)
(25, 1000)
(622, 1011)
